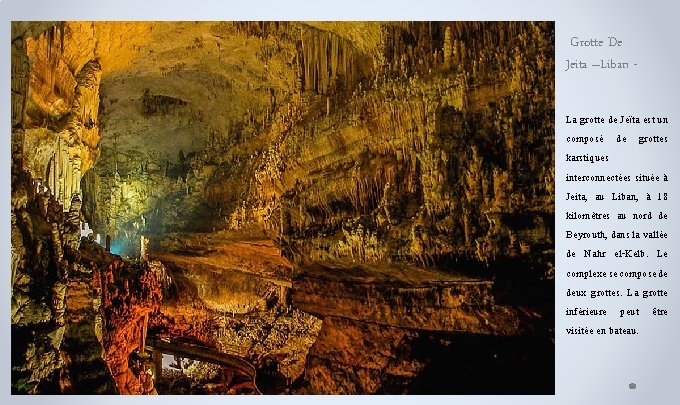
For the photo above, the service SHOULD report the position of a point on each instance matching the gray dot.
(632, 386)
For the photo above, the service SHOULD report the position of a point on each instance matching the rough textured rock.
(389, 329)
(410, 159)
(353, 357)
(235, 297)
(409, 298)
(73, 329)
(65, 326)
(60, 137)
(130, 293)
(396, 179)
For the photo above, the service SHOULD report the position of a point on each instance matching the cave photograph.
(334, 207)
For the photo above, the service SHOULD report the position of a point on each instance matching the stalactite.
(448, 47)
(329, 62)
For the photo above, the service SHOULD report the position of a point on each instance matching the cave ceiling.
(221, 77)
(375, 141)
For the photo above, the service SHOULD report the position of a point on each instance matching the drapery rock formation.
(276, 189)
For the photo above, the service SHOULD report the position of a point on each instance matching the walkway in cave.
(231, 361)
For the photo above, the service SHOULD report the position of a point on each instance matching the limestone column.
(60, 177)
(54, 172)
(68, 174)
(283, 296)
(145, 323)
(144, 253)
(157, 357)
(448, 47)
(77, 174)
(19, 85)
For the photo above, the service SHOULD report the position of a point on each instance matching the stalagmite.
(56, 243)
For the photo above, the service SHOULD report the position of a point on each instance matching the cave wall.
(66, 330)
(76, 310)
(425, 164)
(410, 146)
(55, 101)
(428, 163)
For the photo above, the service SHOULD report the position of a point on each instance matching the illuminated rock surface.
(345, 206)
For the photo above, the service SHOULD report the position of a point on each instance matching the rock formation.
(338, 204)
